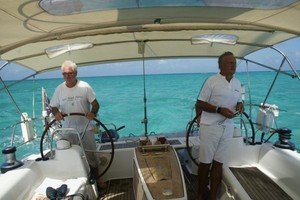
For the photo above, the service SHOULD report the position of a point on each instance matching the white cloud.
(162, 62)
(297, 55)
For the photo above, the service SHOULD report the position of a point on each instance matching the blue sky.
(291, 49)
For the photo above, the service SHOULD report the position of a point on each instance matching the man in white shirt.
(76, 96)
(218, 102)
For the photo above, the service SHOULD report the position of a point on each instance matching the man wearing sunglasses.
(76, 96)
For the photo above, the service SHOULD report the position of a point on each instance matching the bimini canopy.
(40, 35)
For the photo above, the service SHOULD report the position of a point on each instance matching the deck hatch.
(258, 185)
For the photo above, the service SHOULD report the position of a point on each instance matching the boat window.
(67, 7)
(215, 38)
(61, 49)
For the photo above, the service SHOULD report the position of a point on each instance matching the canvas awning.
(125, 33)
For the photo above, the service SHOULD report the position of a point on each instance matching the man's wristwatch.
(219, 109)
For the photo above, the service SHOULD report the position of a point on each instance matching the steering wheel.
(100, 123)
(188, 133)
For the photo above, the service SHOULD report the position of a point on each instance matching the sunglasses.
(68, 73)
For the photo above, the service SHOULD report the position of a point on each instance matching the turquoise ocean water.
(170, 101)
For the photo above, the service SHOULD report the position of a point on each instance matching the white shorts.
(88, 142)
(214, 140)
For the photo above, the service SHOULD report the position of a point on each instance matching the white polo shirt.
(221, 93)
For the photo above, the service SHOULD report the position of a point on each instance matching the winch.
(10, 160)
(284, 136)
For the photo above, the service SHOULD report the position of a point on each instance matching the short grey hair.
(69, 63)
(227, 53)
